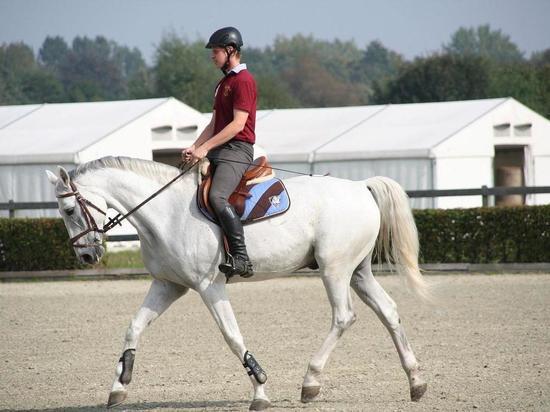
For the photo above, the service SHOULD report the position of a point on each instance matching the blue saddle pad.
(267, 199)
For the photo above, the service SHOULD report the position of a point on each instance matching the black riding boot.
(238, 262)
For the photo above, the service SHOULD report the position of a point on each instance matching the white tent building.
(448, 145)
(467, 144)
(38, 137)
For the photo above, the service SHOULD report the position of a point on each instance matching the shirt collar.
(238, 68)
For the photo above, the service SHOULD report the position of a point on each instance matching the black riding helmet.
(225, 37)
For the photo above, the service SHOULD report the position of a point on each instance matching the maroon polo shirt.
(237, 90)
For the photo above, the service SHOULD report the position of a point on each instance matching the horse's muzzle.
(92, 255)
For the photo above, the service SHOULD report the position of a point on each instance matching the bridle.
(113, 221)
(90, 221)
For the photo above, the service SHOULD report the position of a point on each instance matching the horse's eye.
(69, 211)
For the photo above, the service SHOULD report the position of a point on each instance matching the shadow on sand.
(146, 406)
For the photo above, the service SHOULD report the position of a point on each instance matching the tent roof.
(64, 129)
(9, 114)
(395, 130)
(400, 130)
(407, 130)
(292, 134)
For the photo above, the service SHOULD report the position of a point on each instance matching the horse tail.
(397, 240)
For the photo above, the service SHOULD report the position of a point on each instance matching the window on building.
(162, 133)
(522, 129)
(502, 129)
(187, 133)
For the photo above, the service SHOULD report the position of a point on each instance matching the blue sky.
(410, 27)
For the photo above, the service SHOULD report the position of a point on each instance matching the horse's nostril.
(87, 258)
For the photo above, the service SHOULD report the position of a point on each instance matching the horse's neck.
(123, 190)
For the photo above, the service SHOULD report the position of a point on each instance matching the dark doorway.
(509, 164)
(170, 157)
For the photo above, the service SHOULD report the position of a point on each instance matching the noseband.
(90, 221)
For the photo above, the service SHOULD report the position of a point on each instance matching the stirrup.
(238, 266)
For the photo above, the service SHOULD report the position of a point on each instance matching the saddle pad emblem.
(275, 201)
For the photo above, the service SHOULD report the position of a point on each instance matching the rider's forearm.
(225, 135)
(205, 135)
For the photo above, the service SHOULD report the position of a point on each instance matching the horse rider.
(229, 137)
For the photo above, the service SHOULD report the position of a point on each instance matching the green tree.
(378, 64)
(317, 72)
(15, 59)
(315, 86)
(336, 57)
(137, 77)
(261, 62)
(22, 80)
(541, 58)
(438, 78)
(53, 53)
(41, 86)
(484, 42)
(90, 71)
(273, 93)
(142, 85)
(184, 71)
(129, 61)
(524, 82)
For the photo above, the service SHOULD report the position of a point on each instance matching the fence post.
(11, 208)
(484, 196)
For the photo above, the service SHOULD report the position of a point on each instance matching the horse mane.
(158, 172)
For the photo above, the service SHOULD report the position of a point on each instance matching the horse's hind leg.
(160, 296)
(370, 291)
(215, 298)
(338, 292)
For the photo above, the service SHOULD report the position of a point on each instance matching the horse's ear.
(52, 177)
(64, 175)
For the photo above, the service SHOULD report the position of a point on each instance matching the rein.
(117, 220)
(268, 167)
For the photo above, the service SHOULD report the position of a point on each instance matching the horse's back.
(326, 215)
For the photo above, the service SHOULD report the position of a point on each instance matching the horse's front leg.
(160, 296)
(215, 298)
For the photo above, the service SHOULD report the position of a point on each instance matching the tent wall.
(462, 173)
(412, 174)
(532, 131)
(28, 183)
(542, 178)
(109, 134)
(300, 167)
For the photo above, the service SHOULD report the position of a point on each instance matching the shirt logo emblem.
(226, 90)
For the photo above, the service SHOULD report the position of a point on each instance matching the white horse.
(332, 223)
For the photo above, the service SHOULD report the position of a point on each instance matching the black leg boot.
(238, 262)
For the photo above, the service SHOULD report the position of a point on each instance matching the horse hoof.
(309, 393)
(418, 391)
(116, 398)
(259, 405)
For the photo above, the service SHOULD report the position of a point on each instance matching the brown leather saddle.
(258, 171)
